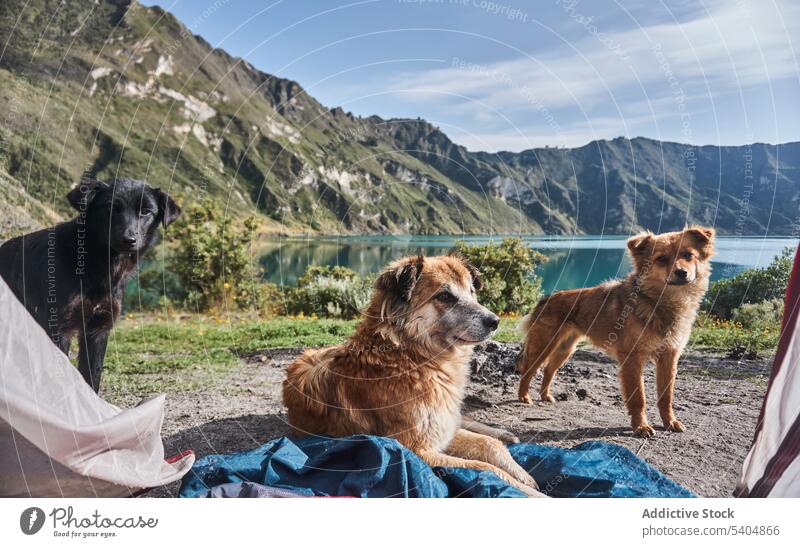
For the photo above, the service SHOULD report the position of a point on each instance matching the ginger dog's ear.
(702, 234)
(399, 278)
(640, 245)
(702, 237)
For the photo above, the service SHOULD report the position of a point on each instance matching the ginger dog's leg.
(525, 380)
(471, 425)
(558, 357)
(631, 376)
(539, 343)
(666, 370)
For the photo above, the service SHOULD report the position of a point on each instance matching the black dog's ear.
(168, 209)
(400, 278)
(640, 245)
(82, 195)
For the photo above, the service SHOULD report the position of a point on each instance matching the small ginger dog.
(403, 372)
(647, 316)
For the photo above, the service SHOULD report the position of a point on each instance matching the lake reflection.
(574, 261)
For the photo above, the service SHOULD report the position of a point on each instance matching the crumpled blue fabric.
(594, 469)
(368, 466)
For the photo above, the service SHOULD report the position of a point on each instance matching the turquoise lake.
(573, 261)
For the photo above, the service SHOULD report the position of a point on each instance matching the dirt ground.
(717, 399)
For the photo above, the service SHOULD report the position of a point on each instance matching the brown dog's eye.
(662, 259)
(688, 256)
(446, 298)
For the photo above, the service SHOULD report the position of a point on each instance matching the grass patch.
(147, 354)
(719, 335)
(509, 330)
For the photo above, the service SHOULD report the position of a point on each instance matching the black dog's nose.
(680, 272)
(491, 321)
(129, 240)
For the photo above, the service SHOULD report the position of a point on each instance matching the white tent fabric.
(57, 437)
(772, 468)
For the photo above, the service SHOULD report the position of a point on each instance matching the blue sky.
(497, 75)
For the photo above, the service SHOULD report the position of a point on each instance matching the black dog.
(71, 277)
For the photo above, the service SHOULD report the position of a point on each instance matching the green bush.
(750, 286)
(713, 333)
(265, 299)
(213, 259)
(329, 292)
(759, 316)
(510, 284)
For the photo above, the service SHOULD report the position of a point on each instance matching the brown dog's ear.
(477, 282)
(703, 236)
(400, 278)
(640, 245)
(168, 209)
(82, 195)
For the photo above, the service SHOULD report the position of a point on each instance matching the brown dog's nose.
(681, 273)
(491, 321)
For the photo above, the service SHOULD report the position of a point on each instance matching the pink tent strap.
(772, 468)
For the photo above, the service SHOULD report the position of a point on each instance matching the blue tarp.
(367, 466)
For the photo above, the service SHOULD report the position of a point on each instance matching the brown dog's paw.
(507, 437)
(525, 399)
(528, 485)
(645, 430)
(547, 398)
(675, 425)
(510, 439)
(520, 480)
(524, 477)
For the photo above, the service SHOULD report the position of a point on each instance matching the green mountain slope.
(112, 88)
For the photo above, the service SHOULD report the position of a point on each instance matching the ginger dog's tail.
(524, 328)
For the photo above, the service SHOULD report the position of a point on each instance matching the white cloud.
(732, 46)
(570, 135)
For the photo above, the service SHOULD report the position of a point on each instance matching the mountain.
(112, 88)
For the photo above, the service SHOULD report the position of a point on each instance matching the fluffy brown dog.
(403, 373)
(647, 316)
